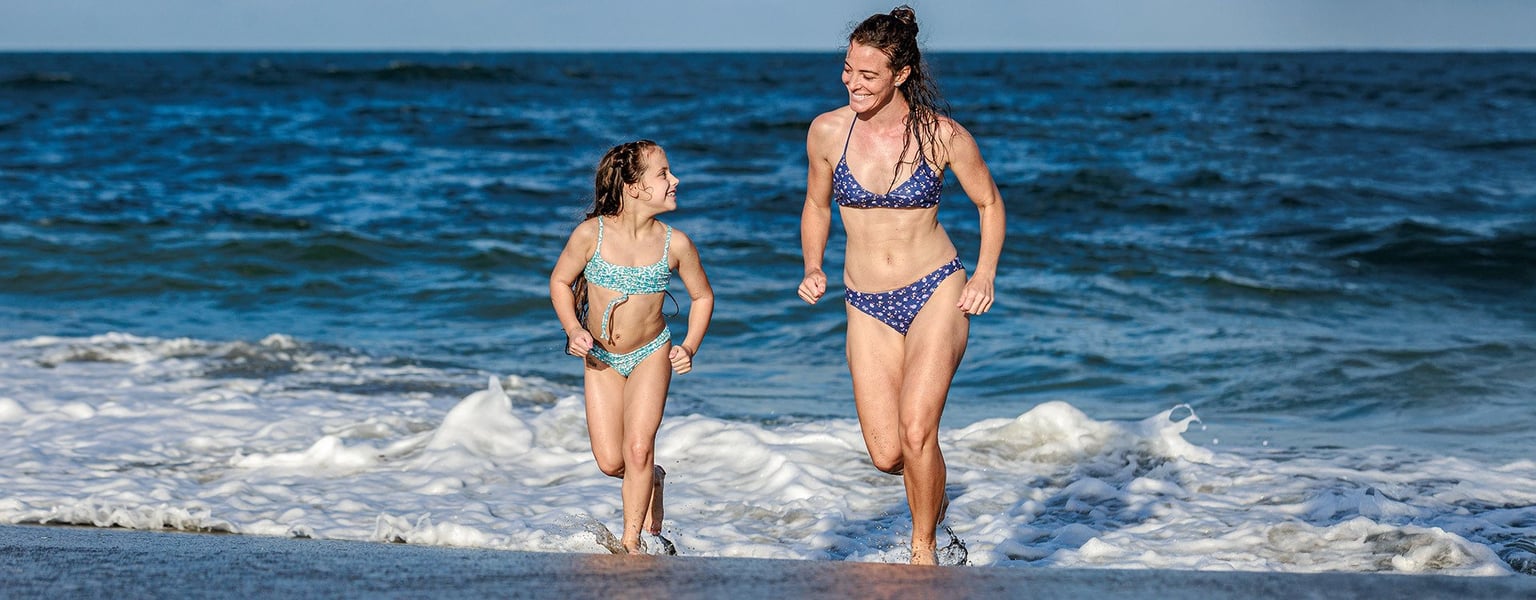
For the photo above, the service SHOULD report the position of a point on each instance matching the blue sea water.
(1316, 253)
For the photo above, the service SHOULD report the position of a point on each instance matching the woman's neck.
(893, 113)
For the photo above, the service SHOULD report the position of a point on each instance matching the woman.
(883, 158)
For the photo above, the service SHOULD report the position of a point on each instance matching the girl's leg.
(605, 418)
(645, 397)
(935, 345)
(658, 511)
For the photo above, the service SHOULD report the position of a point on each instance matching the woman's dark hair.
(895, 35)
(624, 163)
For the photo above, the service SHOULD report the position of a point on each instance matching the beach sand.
(73, 562)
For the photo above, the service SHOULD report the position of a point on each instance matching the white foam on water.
(279, 438)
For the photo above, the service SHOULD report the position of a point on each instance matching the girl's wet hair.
(895, 35)
(624, 163)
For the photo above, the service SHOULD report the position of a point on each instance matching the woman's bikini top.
(626, 280)
(921, 190)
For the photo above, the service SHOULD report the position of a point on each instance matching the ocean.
(1255, 311)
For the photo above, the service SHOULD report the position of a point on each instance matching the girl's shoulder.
(584, 236)
(586, 228)
(679, 240)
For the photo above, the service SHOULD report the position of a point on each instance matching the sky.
(762, 25)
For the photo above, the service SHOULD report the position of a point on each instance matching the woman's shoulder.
(830, 122)
(953, 137)
(827, 128)
(948, 128)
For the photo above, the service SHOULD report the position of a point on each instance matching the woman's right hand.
(578, 342)
(813, 286)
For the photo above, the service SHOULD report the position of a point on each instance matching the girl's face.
(867, 75)
(657, 184)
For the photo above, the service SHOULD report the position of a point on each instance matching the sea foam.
(124, 431)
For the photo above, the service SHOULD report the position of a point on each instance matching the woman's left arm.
(701, 299)
(976, 179)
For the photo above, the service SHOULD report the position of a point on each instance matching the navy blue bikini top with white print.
(921, 190)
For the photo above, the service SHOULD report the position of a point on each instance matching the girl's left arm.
(701, 301)
(966, 162)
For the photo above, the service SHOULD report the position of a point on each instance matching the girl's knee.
(613, 468)
(640, 453)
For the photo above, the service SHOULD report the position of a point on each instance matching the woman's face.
(868, 77)
(658, 184)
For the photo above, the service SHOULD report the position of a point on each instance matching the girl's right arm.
(701, 301)
(578, 250)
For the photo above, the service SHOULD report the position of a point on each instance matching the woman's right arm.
(572, 260)
(816, 216)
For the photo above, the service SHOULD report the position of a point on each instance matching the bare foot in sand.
(654, 517)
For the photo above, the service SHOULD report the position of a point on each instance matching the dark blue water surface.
(1308, 248)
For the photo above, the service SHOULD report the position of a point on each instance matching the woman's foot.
(654, 516)
(924, 556)
(929, 555)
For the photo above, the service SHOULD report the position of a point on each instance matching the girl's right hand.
(578, 342)
(813, 286)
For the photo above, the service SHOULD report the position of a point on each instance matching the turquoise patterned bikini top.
(646, 279)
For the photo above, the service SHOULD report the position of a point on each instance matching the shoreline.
(38, 561)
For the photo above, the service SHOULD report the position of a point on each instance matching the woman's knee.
(918, 437)
(889, 462)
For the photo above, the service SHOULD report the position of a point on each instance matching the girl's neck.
(630, 221)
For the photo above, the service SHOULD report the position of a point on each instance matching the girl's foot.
(635, 548)
(658, 484)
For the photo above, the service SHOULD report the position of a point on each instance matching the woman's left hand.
(682, 359)
(977, 297)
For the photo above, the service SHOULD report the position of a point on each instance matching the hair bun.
(906, 15)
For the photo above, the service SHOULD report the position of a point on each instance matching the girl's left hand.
(682, 360)
(977, 297)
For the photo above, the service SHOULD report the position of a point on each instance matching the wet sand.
(76, 562)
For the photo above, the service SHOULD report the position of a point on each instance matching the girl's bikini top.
(626, 280)
(921, 190)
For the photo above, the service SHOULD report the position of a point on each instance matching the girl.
(620, 259)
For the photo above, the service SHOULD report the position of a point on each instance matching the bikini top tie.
(645, 279)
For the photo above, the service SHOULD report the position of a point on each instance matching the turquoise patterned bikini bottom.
(625, 363)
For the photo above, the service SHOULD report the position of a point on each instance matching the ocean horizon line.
(1405, 50)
